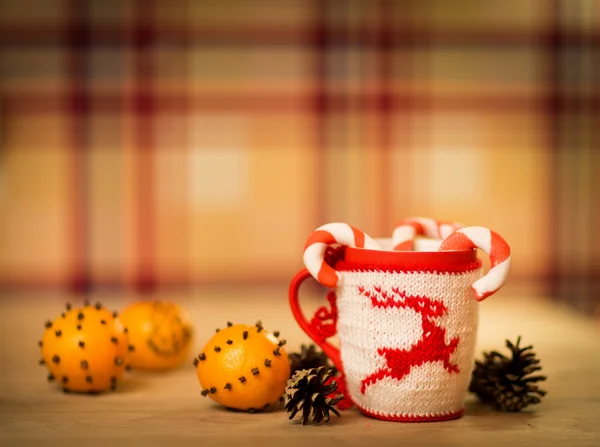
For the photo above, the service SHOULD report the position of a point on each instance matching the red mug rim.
(355, 259)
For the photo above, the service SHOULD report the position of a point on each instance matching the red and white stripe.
(405, 232)
(327, 235)
(494, 246)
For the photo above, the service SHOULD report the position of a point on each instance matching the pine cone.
(309, 357)
(507, 381)
(307, 391)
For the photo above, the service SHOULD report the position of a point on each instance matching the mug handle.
(317, 329)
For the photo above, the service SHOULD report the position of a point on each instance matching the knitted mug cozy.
(406, 323)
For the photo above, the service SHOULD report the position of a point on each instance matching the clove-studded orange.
(161, 332)
(243, 367)
(86, 349)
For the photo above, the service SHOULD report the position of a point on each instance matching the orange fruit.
(161, 333)
(85, 349)
(243, 367)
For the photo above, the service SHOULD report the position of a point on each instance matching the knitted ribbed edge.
(411, 417)
(450, 270)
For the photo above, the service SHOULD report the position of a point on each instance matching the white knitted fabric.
(431, 389)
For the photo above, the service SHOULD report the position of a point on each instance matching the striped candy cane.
(332, 234)
(405, 232)
(494, 246)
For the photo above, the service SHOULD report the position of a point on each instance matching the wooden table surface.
(167, 409)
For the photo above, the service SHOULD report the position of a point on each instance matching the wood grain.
(167, 409)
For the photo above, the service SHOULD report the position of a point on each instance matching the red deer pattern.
(430, 348)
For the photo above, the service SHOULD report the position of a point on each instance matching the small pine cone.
(309, 357)
(507, 382)
(307, 392)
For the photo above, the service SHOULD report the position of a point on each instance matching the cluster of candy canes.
(454, 236)
(405, 232)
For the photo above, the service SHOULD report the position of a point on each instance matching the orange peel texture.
(161, 332)
(243, 367)
(85, 349)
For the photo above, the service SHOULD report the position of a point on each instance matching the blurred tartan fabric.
(152, 143)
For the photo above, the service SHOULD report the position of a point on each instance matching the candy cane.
(406, 231)
(494, 246)
(332, 234)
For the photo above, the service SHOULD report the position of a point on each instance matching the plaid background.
(155, 143)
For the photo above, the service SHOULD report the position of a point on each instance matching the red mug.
(407, 324)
